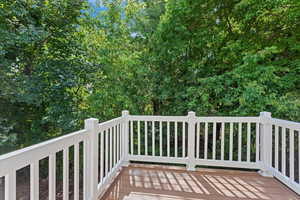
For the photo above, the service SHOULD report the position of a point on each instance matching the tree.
(43, 69)
(61, 62)
(228, 57)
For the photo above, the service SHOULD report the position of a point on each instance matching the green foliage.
(228, 57)
(43, 68)
(60, 63)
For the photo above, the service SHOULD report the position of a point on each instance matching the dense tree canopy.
(62, 62)
(229, 57)
(43, 68)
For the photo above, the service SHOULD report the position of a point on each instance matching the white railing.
(102, 157)
(150, 140)
(233, 142)
(31, 156)
(240, 136)
(264, 143)
(285, 147)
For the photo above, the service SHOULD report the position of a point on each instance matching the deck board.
(153, 182)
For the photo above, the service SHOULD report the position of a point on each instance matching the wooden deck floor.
(150, 182)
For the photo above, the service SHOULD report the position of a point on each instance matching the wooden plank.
(197, 188)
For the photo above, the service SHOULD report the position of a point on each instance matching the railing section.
(32, 156)
(264, 143)
(97, 153)
(213, 141)
(158, 138)
(110, 152)
(228, 142)
(286, 152)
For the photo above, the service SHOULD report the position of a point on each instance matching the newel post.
(191, 165)
(266, 144)
(125, 137)
(91, 159)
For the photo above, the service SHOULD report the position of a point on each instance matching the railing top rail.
(110, 123)
(285, 123)
(185, 118)
(228, 119)
(156, 118)
(23, 157)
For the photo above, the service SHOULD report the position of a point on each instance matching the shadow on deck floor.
(150, 182)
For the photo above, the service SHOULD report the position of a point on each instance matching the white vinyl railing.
(286, 155)
(31, 156)
(102, 157)
(238, 135)
(185, 140)
(263, 143)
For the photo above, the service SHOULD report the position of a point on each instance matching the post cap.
(125, 113)
(265, 114)
(191, 114)
(91, 120)
(90, 123)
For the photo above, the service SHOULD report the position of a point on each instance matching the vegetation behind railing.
(92, 157)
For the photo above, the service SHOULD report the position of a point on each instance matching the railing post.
(91, 159)
(191, 141)
(266, 144)
(125, 138)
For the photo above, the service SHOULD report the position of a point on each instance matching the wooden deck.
(153, 182)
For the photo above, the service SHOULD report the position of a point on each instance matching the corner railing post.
(91, 159)
(125, 138)
(266, 144)
(191, 141)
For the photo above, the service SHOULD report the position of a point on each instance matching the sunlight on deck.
(143, 182)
